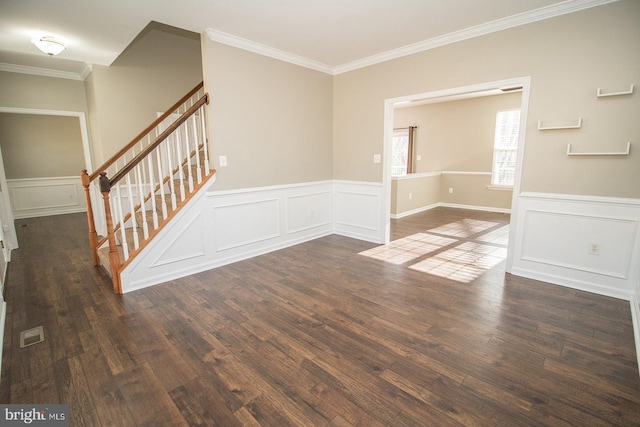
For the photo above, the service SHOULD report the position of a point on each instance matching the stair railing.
(128, 208)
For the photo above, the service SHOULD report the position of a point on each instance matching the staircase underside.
(103, 252)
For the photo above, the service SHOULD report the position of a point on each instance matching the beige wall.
(272, 119)
(452, 136)
(455, 135)
(154, 72)
(567, 57)
(43, 93)
(472, 190)
(37, 146)
(409, 194)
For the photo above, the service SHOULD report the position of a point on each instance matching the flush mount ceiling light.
(49, 45)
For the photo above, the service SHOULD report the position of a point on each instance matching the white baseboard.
(475, 208)
(569, 282)
(414, 211)
(449, 205)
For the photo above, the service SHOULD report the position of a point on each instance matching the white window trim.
(494, 186)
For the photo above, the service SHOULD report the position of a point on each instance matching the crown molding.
(540, 14)
(45, 72)
(239, 42)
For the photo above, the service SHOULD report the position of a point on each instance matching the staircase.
(135, 193)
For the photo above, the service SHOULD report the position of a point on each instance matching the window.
(402, 152)
(505, 147)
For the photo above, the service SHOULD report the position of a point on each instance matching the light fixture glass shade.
(49, 45)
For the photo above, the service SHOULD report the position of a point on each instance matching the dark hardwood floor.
(319, 335)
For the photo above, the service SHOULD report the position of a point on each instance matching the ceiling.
(334, 34)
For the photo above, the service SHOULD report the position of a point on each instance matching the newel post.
(93, 236)
(114, 257)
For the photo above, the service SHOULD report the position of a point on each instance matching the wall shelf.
(612, 153)
(578, 126)
(599, 94)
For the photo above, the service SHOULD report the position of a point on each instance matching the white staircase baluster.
(187, 153)
(172, 184)
(123, 236)
(143, 210)
(179, 163)
(152, 193)
(203, 135)
(134, 223)
(194, 131)
(159, 152)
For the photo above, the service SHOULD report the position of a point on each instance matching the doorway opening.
(521, 84)
(31, 189)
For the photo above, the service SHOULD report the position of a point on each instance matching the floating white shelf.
(612, 153)
(578, 126)
(599, 94)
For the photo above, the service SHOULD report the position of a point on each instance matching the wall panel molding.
(358, 210)
(232, 226)
(554, 234)
(34, 197)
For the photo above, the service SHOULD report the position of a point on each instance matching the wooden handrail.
(164, 135)
(144, 133)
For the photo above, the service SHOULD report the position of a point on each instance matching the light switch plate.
(223, 161)
(377, 158)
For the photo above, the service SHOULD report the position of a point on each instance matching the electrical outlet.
(377, 158)
(410, 196)
(593, 249)
(223, 161)
(450, 190)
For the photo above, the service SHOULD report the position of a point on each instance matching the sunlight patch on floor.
(408, 248)
(463, 228)
(464, 263)
(498, 237)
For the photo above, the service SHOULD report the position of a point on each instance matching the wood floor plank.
(315, 335)
(110, 403)
(146, 399)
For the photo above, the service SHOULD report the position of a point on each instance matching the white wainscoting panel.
(34, 197)
(564, 240)
(221, 227)
(358, 210)
(308, 211)
(245, 223)
(188, 243)
(554, 234)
